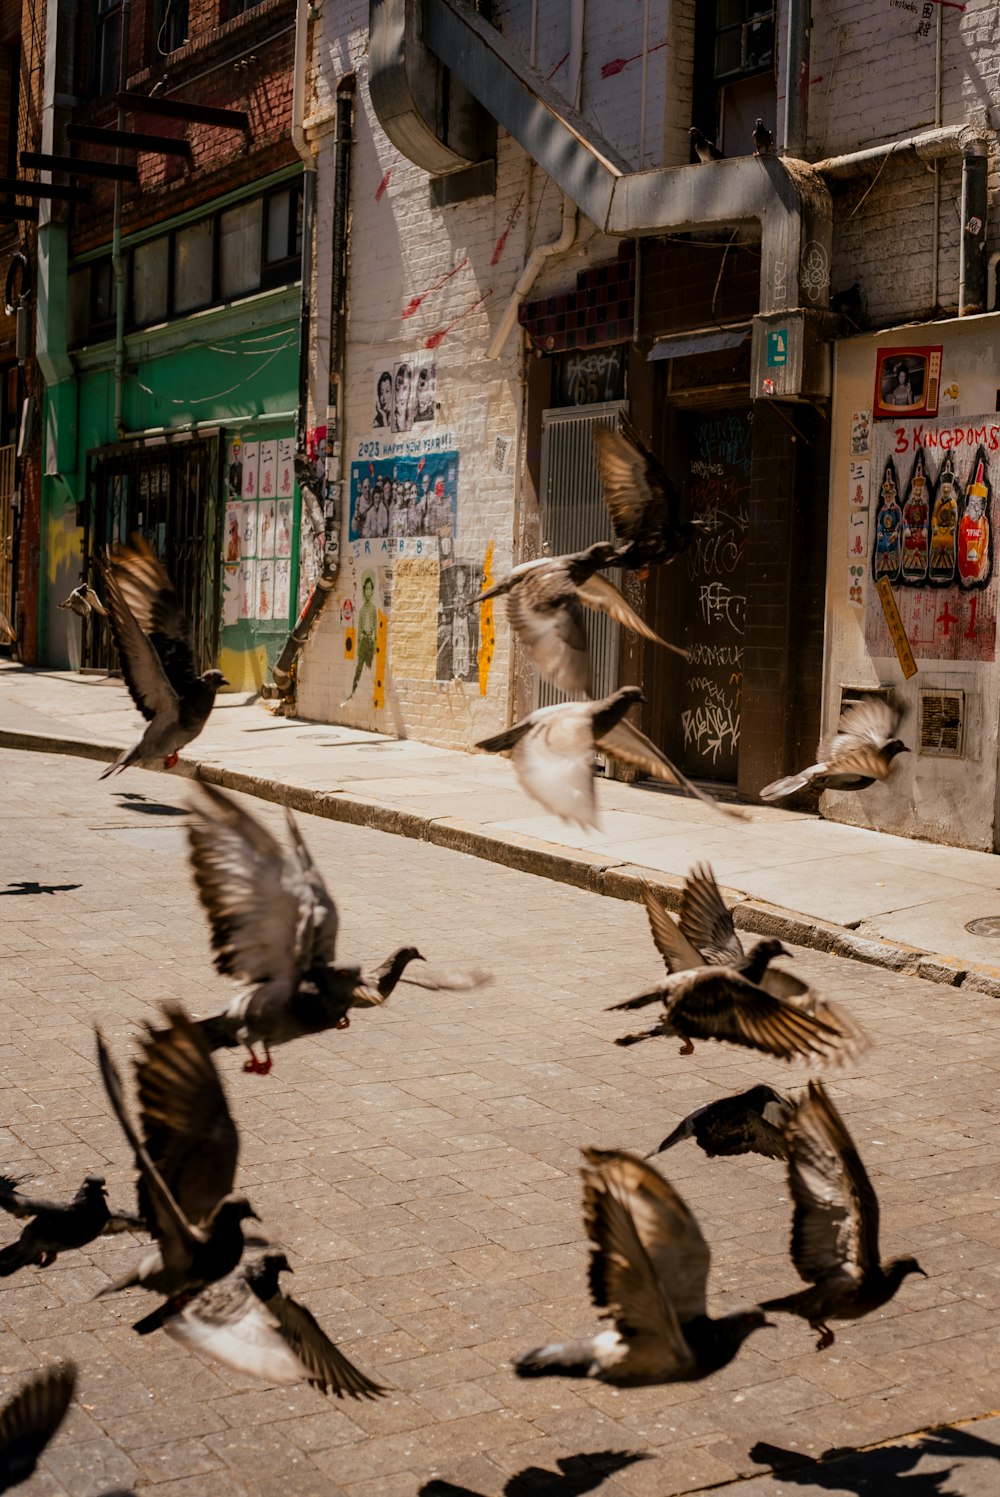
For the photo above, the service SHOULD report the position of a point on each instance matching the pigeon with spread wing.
(247, 1323)
(748, 1123)
(863, 750)
(157, 654)
(186, 1158)
(274, 926)
(648, 1270)
(835, 1226)
(545, 608)
(30, 1419)
(553, 754)
(83, 601)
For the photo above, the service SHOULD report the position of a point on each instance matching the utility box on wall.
(791, 357)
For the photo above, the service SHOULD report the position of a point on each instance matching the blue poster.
(397, 497)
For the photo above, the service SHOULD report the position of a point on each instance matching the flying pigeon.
(861, 751)
(187, 1125)
(30, 1419)
(705, 149)
(706, 936)
(648, 1270)
(763, 141)
(553, 754)
(644, 506)
(83, 601)
(835, 1244)
(748, 1123)
(157, 654)
(728, 1003)
(545, 608)
(55, 1227)
(274, 926)
(245, 1322)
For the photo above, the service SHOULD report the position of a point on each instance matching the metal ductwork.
(787, 198)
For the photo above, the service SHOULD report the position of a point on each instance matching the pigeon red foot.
(686, 1049)
(170, 761)
(258, 1067)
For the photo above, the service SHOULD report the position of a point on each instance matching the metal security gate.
(573, 516)
(169, 494)
(7, 535)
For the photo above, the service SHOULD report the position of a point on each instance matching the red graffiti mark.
(619, 64)
(381, 188)
(515, 214)
(436, 339)
(412, 306)
(420, 465)
(970, 633)
(948, 4)
(947, 619)
(549, 76)
(371, 469)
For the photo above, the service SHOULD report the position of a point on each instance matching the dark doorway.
(700, 599)
(169, 495)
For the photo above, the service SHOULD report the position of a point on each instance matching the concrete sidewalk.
(853, 892)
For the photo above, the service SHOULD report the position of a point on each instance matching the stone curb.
(582, 869)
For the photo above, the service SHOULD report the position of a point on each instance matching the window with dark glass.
(230, 9)
(744, 38)
(170, 26)
(107, 23)
(282, 232)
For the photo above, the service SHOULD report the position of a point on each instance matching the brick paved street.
(421, 1169)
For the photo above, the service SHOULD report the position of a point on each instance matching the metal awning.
(693, 343)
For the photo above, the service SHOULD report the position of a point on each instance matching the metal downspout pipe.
(308, 155)
(330, 509)
(117, 259)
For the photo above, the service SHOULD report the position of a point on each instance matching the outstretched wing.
(547, 618)
(641, 499)
(190, 1135)
(601, 594)
(836, 1220)
(555, 763)
(271, 916)
(865, 727)
(141, 665)
(718, 1003)
(706, 921)
(149, 593)
(650, 1261)
(631, 747)
(326, 1367)
(678, 953)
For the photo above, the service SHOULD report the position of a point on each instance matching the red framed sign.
(907, 382)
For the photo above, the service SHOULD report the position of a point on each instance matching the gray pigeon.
(274, 925)
(157, 655)
(648, 1270)
(704, 149)
(835, 1245)
(56, 1227)
(30, 1419)
(763, 141)
(189, 1253)
(553, 754)
(545, 608)
(83, 601)
(863, 750)
(245, 1322)
(728, 1003)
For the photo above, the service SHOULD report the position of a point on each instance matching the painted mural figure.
(367, 631)
(888, 529)
(975, 547)
(916, 511)
(944, 526)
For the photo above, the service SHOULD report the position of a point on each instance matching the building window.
(151, 281)
(170, 26)
(239, 248)
(232, 8)
(107, 20)
(283, 233)
(744, 38)
(193, 257)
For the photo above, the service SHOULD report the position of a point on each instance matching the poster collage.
(257, 540)
(920, 516)
(403, 539)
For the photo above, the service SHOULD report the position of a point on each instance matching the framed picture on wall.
(907, 382)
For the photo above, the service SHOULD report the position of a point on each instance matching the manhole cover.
(986, 925)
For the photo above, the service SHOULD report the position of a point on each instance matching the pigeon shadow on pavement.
(31, 886)
(872, 1473)
(146, 807)
(577, 1474)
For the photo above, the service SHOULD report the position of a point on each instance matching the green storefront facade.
(184, 429)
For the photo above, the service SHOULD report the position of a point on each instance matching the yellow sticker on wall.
(487, 633)
(381, 638)
(350, 643)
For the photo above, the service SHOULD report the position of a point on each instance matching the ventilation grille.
(574, 516)
(942, 723)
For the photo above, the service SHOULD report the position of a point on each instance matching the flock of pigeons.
(215, 1280)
